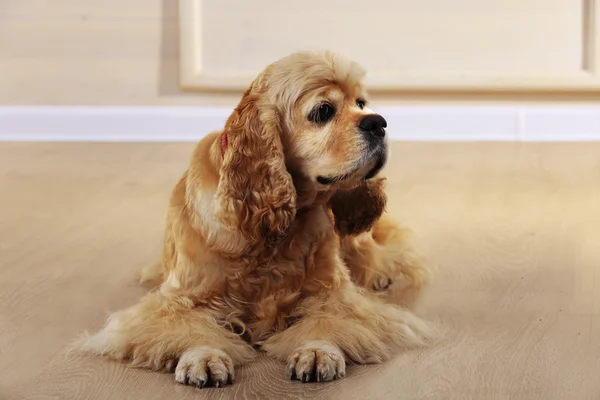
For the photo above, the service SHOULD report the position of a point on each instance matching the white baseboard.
(189, 124)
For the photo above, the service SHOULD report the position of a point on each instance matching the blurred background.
(110, 52)
(493, 108)
(509, 55)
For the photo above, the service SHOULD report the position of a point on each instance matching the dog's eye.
(360, 103)
(322, 113)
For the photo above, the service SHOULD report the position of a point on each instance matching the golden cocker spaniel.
(276, 238)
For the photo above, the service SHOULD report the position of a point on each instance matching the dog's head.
(330, 134)
(305, 121)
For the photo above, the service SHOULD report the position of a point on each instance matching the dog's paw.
(205, 366)
(381, 283)
(318, 361)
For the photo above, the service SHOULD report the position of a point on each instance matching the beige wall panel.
(115, 52)
(92, 52)
(405, 44)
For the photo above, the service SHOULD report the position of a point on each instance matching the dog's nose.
(373, 124)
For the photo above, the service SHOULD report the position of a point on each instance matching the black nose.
(373, 124)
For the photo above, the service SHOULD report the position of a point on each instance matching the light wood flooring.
(513, 229)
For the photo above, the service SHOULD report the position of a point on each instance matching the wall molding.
(189, 124)
(195, 77)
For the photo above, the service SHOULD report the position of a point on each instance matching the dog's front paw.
(317, 360)
(205, 366)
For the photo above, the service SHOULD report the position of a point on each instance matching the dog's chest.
(278, 279)
(271, 289)
(272, 293)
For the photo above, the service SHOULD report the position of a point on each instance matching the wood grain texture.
(511, 228)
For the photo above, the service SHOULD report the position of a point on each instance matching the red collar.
(223, 143)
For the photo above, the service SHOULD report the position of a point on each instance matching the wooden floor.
(513, 229)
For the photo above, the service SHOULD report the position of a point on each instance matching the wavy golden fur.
(276, 238)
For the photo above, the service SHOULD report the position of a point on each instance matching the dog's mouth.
(376, 161)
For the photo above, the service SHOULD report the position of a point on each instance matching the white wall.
(120, 55)
(425, 45)
(126, 52)
(92, 52)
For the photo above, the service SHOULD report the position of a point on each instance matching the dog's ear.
(356, 210)
(256, 195)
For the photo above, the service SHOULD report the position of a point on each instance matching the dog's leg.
(167, 332)
(346, 325)
(385, 256)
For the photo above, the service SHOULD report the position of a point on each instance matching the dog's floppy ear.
(356, 210)
(256, 195)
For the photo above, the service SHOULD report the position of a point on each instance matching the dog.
(277, 240)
